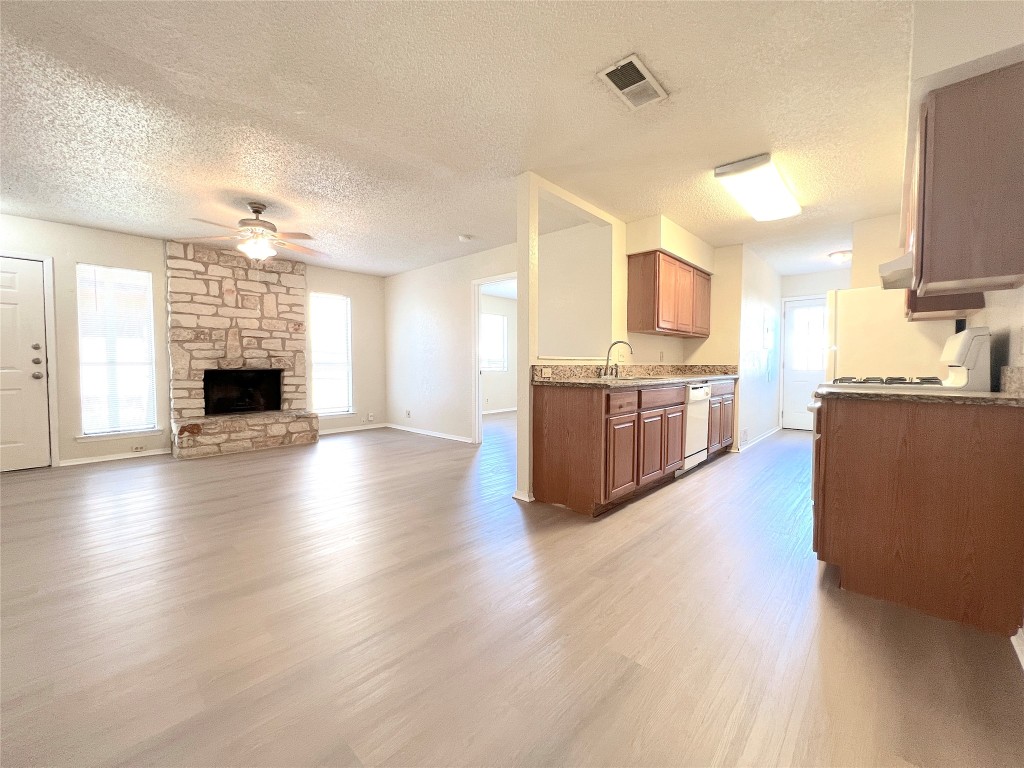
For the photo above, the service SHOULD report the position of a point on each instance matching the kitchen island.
(919, 499)
(597, 442)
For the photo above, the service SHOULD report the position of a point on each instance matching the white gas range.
(968, 355)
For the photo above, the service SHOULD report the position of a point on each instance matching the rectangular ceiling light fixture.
(757, 186)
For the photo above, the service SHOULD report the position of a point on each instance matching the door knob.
(37, 360)
(37, 346)
(37, 375)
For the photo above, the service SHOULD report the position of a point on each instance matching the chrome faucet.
(609, 369)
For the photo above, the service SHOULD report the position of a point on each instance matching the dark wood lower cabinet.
(675, 435)
(621, 450)
(919, 503)
(596, 447)
(652, 446)
(715, 425)
(727, 420)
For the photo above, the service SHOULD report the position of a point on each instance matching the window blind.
(330, 335)
(493, 342)
(117, 362)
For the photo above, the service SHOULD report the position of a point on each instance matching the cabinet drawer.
(622, 402)
(723, 387)
(659, 398)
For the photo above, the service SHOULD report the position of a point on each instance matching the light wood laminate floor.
(380, 598)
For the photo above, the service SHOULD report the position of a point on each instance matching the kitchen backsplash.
(633, 371)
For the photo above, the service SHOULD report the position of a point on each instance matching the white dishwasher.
(695, 444)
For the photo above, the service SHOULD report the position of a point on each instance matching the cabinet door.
(652, 445)
(727, 421)
(701, 303)
(668, 282)
(675, 432)
(715, 425)
(684, 297)
(620, 456)
(972, 230)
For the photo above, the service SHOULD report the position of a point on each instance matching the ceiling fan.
(257, 238)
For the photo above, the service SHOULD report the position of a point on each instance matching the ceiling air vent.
(631, 81)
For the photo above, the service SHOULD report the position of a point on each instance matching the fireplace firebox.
(242, 391)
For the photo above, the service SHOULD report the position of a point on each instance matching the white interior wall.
(574, 292)
(68, 245)
(429, 342)
(498, 388)
(369, 367)
(815, 283)
(760, 349)
(875, 241)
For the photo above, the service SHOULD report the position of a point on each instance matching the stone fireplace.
(237, 343)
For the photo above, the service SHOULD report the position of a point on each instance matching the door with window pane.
(330, 335)
(804, 354)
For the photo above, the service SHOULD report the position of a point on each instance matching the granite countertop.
(626, 383)
(924, 395)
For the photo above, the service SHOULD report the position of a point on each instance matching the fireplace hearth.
(242, 391)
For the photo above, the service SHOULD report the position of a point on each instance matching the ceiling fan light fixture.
(257, 248)
(756, 184)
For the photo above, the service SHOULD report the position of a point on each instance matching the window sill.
(333, 414)
(118, 435)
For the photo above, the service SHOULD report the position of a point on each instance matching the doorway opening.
(804, 357)
(496, 344)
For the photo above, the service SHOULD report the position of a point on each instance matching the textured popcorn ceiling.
(387, 129)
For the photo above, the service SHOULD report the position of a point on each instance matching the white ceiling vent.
(631, 81)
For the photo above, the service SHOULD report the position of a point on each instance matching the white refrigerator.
(869, 335)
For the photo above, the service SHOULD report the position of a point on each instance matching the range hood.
(898, 273)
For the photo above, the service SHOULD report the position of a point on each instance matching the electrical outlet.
(545, 373)
(138, 448)
(408, 413)
(622, 357)
(369, 417)
(487, 401)
(744, 436)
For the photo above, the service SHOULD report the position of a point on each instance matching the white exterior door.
(804, 355)
(24, 415)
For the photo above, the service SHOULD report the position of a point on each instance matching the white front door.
(24, 415)
(804, 352)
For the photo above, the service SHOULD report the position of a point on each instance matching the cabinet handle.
(37, 375)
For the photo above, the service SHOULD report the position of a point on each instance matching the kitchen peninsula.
(919, 499)
(599, 441)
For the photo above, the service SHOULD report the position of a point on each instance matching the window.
(493, 342)
(115, 350)
(808, 346)
(330, 334)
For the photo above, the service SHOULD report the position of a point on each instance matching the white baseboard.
(114, 457)
(428, 433)
(759, 438)
(357, 428)
(499, 410)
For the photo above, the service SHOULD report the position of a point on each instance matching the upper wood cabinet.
(966, 197)
(667, 296)
(950, 307)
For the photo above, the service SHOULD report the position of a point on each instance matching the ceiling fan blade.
(214, 223)
(209, 239)
(299, 249)
(294, 236)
